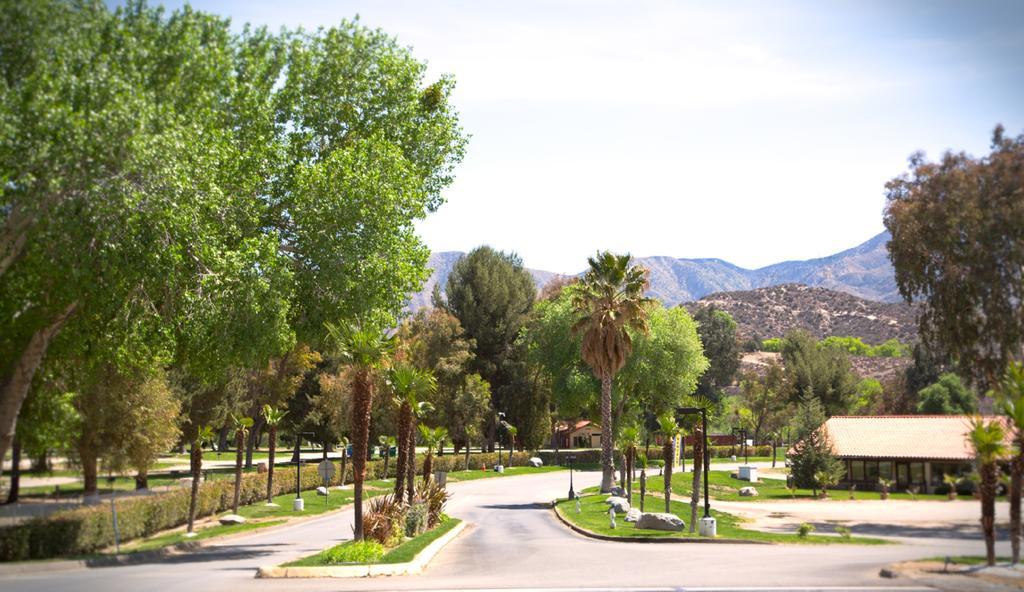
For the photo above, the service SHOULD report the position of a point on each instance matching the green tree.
(812, 453)
(241, 426)
(491, 294)
(767, 398)
(364, 349)
(147, 418)
(717, 331)
(1010, 402)
(869, 394)
(819, 371)
(664, 367)
(669, 429)
(948, 396)
(409, 387)
(610, 302)
(989, 443)
(273, 417)
(958, 248)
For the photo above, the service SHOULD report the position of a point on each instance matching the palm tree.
(343, 443)
(386, 442)
(641, 459)
(989, 442)
(1010, 402)
(609, 303)
(241, 425)
(512, 431)
(698, 455)
(669, 429)
(409, 385)
(629, 436)
(204, 435)
(365, 349)
(273, 418)
(434, 439)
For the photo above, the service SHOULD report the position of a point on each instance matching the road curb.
(629, 539)
(417, 565)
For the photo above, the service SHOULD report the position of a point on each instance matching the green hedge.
(85, 530)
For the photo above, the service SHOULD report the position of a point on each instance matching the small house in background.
(910, 450)
(582, 433)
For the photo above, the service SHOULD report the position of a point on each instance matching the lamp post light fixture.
(742, 433)
(298, 504)
(572, 492)
(708, 520)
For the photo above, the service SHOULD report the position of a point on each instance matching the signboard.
(326, 470)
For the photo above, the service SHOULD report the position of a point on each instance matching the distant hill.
(777, 310)
(862, 271)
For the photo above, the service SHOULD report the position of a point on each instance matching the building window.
(917, 472)
(871, 470)
(856, 470)
(885, 470)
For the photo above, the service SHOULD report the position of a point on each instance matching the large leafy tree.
(948, 396)
(822, 372)
(717, 331)
(609, 303)
(767, 398)
(958, 248)
(490, 293)
(176, 193)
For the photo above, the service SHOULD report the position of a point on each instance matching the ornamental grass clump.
(384, 522)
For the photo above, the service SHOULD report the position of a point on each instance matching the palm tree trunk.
(344, 463)
(643, 487)
(196, 462)
(361, 405)
(428, 463)
(628, 465)
(667, 453)
(239, 457)
(607, 470)
(410, 463)
(698, 466)
(272, 449)
(467, 453)
(404, 420)
(387, 457)
(988, 510)
(1016, 466)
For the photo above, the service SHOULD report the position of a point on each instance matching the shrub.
(416, 519)
(843, 531)
(804, 529)
(384, 521)
(773, 344)
(435, 498)
(354, 552)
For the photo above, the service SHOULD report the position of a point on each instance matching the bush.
(416, 519)
(843, 531)
(804, 529)
(355, 552)
(435, 498)
(384, 521)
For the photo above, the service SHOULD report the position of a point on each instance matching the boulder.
(231, 519)
(619, 504)
(261, 468)
(748, 492)
(536, 462)
(321, 490)
(660, 521)
(632, 515)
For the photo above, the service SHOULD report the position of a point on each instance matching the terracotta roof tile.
(937, 437)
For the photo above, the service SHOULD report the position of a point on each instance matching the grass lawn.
(401, 554)
(594, 517)
(723, 487)
(472, 475)
(968, 559)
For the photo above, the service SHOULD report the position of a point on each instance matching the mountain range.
(863, 271)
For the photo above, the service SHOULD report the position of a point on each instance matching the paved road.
(515, 543)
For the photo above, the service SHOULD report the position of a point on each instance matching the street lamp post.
(572, 492)
(298, 504)
(704, 447)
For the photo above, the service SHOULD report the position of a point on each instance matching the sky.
(754, 132)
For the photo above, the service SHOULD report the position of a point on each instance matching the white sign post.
(326, 470)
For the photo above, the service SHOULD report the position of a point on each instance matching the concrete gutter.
(417, 565)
